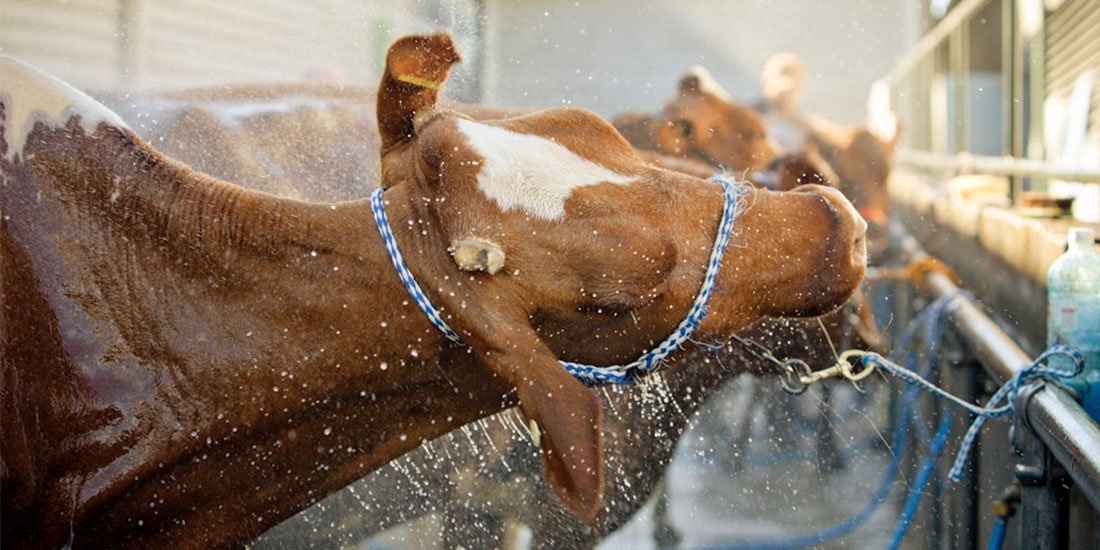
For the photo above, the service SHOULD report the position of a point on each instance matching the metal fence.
(974, 96)
(1051, 453)
(983, 82)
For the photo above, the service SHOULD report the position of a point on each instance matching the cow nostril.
(859, 249)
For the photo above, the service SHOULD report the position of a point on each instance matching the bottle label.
(1064, 315)
(1075, 320)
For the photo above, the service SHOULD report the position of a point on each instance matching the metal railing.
(931, 87)
(998, 166)
(1055, 445)
(950, 23)
(1070, 433)
(1054, 437)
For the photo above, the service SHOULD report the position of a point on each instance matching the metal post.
(1037, 95)
(481, 25)
(1007, 63)
(128, 42)
(1044, 503)
(925, 73)
(959, 63)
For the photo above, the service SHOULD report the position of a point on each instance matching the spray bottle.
(1073, 314)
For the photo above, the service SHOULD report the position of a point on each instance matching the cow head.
(782, 81)
(861, 160)
(564, 243)
(703, 123)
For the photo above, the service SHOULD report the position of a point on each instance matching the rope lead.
(1006, 394)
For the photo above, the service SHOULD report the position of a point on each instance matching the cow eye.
(684, 127)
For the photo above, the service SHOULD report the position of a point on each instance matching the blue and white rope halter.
(591, 375)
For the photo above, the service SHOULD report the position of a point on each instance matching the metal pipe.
(1002, 166)
(957, 16)
(1057, 419)
(958, 62)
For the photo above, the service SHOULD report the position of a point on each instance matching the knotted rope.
(1000, 404)
(1003, 401)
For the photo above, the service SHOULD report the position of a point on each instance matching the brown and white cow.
(187, 361)
(704, 125)
(861, 160)
(859, 157)
(634, 452)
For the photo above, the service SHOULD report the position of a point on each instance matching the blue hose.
(997, 536)
(929, 320)
(850, 524)
(913, 502)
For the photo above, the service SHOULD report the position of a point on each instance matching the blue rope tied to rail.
(929, 320)
(1006, 394)
(591, 375)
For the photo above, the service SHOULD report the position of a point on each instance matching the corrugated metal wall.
(160, 44)
(199, 42)
(74, 38)
(1073, 47)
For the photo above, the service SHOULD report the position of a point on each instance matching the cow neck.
(239, 333)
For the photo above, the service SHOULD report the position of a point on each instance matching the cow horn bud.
(476, 254)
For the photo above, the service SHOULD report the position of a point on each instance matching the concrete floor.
(768, 488)
(780, 493)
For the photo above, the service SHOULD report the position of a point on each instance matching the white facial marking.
(31, 95)
(531, 172)
(707, 83)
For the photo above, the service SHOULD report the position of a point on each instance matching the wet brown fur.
(150, 311)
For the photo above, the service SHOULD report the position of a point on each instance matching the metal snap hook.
(793, 372)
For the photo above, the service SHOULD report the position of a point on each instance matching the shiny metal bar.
(956, 17)
(1056, 418)
(1006, 166)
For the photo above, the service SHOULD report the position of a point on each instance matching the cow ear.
(568, 420)
(673, 136)
(690, 83)
(698, 80)
(416, 68)
(566, 414)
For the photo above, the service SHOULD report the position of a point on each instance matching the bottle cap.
(1081, 238)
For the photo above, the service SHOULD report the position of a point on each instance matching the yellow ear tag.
(417, 81)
